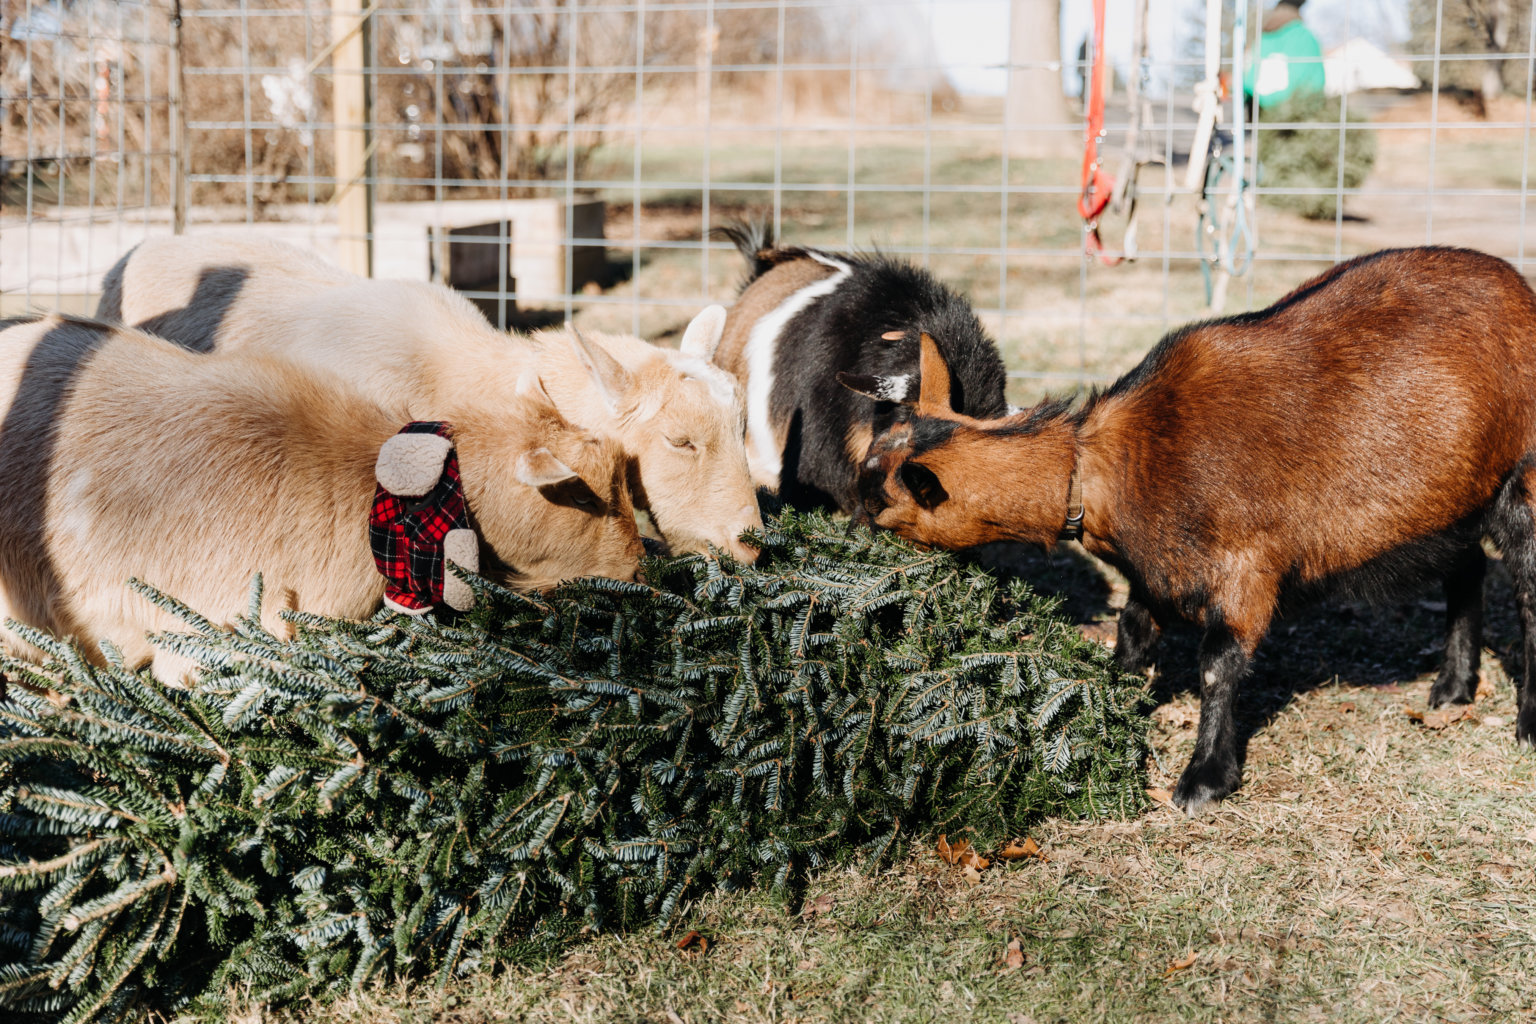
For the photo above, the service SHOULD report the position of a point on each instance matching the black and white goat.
(803, 316)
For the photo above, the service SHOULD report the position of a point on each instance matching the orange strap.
(1098, 187)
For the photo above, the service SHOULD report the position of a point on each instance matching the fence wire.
(565, 159)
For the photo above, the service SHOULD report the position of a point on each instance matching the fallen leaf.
(1160, 796)
(693, 941)
(1176, 716)
(953, 853)
(1396, 910)
(971, 875)
(1440, 718)
(1184, 963)
(972, 859)
(1014, 957)
(1018, 849)
(820, 906)
(1484, 687)
(1347, 707)
(1505, 873)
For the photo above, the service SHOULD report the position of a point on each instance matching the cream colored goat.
(122, 455)
(678, 416)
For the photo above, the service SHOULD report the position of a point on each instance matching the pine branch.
(420, 796)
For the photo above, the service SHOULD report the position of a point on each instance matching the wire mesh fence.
(87, 143)
(562, 159)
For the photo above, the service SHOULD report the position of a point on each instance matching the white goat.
(122, 455)
(678, 416)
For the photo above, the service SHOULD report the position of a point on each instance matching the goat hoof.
(1452, 691)
(1525, 727)
(1202, 787)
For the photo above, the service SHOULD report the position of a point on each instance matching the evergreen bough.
(408, 797)
(1308, 157)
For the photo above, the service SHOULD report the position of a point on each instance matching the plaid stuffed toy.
(420, 521)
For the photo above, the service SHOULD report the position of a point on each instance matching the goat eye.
(681, 444)
(583, 502)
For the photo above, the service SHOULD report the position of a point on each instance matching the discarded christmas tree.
(412, 797)
(1307, 154)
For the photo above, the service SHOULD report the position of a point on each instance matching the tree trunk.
(1497, 19)
(1039, 120)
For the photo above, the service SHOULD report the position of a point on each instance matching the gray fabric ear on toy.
(462, 548)
(410, 465)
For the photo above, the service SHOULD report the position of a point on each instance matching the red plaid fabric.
(406, 534)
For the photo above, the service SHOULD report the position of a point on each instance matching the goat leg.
(1514, 530)
(1457, 682)
(1214, 770)
(1135, 636)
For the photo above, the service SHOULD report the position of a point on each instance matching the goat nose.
(746, 554)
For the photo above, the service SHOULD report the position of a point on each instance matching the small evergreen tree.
(406, 796)
(1309, 157)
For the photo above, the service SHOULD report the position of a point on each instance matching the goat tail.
(110, 306)
(754, 240)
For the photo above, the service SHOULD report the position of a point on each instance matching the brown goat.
(1361, 435)
(123, 455)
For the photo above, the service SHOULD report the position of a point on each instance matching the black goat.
(803, 316)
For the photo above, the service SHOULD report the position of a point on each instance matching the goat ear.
(540, 468)
(933, 376)
(923, 483)
(704, 332)
(608, 375)
(881, 389)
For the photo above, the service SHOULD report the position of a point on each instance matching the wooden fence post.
(352, 113)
